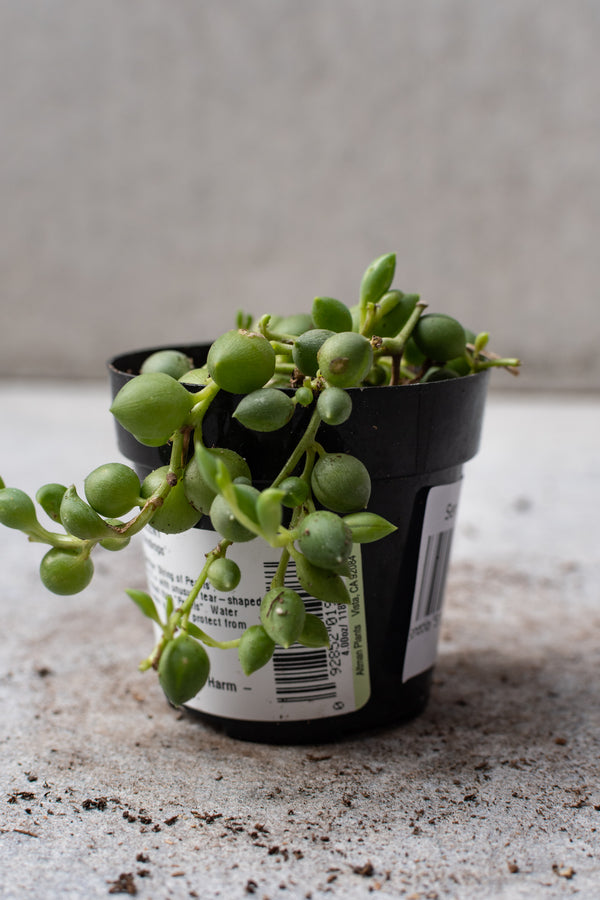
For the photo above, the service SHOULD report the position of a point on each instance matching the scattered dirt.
(124, 884)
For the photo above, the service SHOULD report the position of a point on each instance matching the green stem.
(281, 347)
(282, 538)
(39, 535)
(151, 504)
(176, 460)
(301, 447)
(395, 346)
(220, 645)
(274, 337)
(367, 327)
(186, 608)
(511, 365)
(279, 576)
(179, 617)
(203, 400)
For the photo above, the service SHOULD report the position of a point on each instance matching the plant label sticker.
(297, 683)
(432, 567)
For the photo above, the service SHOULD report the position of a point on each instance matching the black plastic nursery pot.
(414, 440)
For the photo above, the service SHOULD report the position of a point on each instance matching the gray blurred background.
(166, 162)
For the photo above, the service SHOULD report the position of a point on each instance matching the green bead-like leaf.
(183, 669)
(267, 409)
(461, 365)
(17, 509)
(112, 489)
(314, 633)
(65, 572)
(152, 407)
(439, 337)
(327, 312)
(241, 361)
(341, 482)
(304, 396)
(223, 518)
(269, 511)
(282, 615)
(145, 603)
(367, 527)
(195, 376)
(480, 341)
(296, 324)
(306, 348)
(212, 468)
(224, 574)
(377, 278)
(394, 310)
(200, 476)
(439, 373)
(176, 514)
(255, 649)
(321, 584)
(118, 541)
(171, 362)
(246, 498)
(345, 359)
(334, 405)
(295, 490)
(412, 356)
(81, 520)
(325, 539)
(49, 496)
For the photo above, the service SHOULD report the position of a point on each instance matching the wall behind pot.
(163, 164)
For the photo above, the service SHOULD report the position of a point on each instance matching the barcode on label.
(435, 567)
(301, 673)
(432, 567)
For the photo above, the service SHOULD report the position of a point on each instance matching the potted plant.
(296, 483)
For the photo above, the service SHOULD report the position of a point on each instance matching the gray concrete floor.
(493, 792)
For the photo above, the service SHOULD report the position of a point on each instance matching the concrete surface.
(492, 793)
(185, 158)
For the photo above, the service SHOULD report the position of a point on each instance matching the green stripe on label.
(358, 630)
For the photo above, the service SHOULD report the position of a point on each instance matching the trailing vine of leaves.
(315, 508)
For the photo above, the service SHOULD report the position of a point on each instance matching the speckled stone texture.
(493, 792)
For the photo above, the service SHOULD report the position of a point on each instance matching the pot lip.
(113, 366)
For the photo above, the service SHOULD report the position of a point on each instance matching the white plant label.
(434, 555)
(298, 683)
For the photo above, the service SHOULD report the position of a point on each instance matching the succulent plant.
(312, 511)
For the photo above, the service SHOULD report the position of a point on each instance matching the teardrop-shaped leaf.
(314, 633)
(282, 615)
(183, 669)
(266, 409)
(367, 527)
(255, 649)
(49, 496)
(152, 407)
(145, 603)
(319, 583)
(269, 511)
(212, 469)
(377, 278)
(80, 519)
(17, 509)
